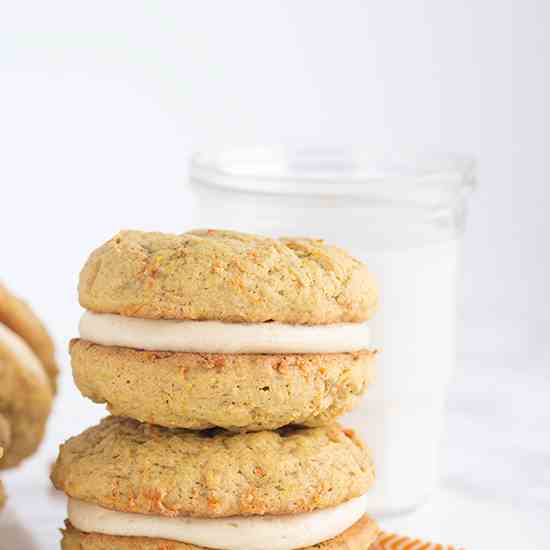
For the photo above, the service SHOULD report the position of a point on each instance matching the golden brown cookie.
(25, 397)
(359, 536)
(227, 276)
(236, 392)
(5, 431)
(2, 492)
(5, 437)
(132, 467)
(20, 318)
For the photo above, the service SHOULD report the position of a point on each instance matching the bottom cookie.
(359, 536)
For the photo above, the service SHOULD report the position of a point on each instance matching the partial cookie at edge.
(18, 316)
(227, 276)
(5, 429)
(236, 392)
(25, 403)
(2, 492)
(4, 442)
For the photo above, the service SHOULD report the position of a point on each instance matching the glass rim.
(418, 177)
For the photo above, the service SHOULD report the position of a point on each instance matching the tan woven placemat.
(391, 541)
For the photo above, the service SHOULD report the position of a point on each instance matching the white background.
(102, 102)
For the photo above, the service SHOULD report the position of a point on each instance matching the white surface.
(455, 517)
(216, 337)
(283, 532)
(100, 104)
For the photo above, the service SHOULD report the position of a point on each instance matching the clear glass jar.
(402, 215)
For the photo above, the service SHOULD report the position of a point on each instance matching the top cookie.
(20, 318)
(227, 276)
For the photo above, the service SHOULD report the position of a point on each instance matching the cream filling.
(23, 353)
(285, 532)
(218, 337)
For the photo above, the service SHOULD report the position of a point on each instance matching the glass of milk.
(404, 216)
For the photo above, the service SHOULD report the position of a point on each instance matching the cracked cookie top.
(227, 276)
(131, 467)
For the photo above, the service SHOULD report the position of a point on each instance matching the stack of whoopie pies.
(28, 374)
(225, 358)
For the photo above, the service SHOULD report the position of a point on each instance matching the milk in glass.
(404, 218)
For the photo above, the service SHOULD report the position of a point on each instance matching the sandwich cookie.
(133, 485)
(218, 328)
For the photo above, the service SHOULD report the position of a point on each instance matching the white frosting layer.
(217, 337)
(24, 354)
(246, 533)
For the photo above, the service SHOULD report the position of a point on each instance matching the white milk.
(401, 416)
(404, 218)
